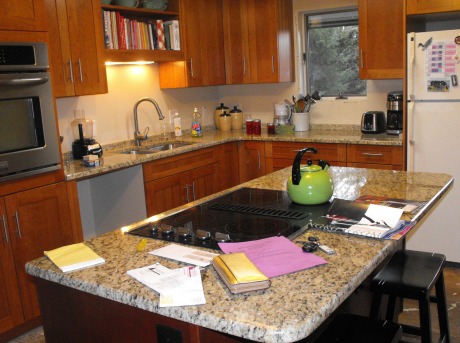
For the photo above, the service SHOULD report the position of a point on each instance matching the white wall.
(113, 112)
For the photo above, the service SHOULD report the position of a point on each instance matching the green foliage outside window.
(332, 61)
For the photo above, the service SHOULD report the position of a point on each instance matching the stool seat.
(413, 275)
(410, 274)
(351, 328)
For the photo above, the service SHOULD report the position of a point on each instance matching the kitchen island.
(104, 304)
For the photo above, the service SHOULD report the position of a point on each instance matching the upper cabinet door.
(381, 39)
(258, 39)
(204, 63)
(76, 47)
(22, 15)
(430, 6)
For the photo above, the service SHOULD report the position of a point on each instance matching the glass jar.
(271, 128)
(257, 127)
(249, 126)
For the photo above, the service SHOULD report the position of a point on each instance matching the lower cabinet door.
(202, 181)
(10, 301)
(165, 193)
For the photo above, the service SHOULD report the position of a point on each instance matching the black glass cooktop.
(243, 215)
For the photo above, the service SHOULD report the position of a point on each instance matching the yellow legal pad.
(239, 273)
(74, 257)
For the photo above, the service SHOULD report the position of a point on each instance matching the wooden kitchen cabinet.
(176, 180)
(280, 155)
(430, 6)
(227, 155)
(22, 15)
(258, 41)
(375, 156)
(204, 63)
(32, 221)
(76, 47)
(251, 160)
(381, 38)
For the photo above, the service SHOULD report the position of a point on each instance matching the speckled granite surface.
(113, 159)
(296, 304)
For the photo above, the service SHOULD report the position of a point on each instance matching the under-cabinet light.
(109, 63)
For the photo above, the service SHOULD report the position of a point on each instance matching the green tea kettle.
(310, 184)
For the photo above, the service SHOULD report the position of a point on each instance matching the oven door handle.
(29, 81)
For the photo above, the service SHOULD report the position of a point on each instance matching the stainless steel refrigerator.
(433, 132)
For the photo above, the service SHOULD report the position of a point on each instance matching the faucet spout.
(138, 137)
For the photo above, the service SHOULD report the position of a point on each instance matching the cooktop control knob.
(154, 229)
(184, 232)
(167, 230)
(203, 235)
(222, 237)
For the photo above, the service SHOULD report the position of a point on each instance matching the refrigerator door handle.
(410, 98)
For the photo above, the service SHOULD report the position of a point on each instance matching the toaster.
(373, 122)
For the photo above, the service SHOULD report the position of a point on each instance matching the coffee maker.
(395, 113)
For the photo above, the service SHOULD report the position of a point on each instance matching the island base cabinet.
(70, 315)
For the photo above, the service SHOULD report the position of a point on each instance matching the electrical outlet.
(204, 111)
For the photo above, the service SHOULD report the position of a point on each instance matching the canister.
(225, 121)
(237, 118)
(219, 110)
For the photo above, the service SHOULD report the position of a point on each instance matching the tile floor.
(410, 314)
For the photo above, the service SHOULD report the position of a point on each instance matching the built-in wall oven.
(28, 133)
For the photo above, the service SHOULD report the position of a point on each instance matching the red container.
(249, 126)
(271, 128)
(257, 127)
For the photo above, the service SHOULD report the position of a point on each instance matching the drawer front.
(375, 154)
(326, 151)
(177, 164)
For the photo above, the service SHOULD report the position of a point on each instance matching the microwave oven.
(29, 141)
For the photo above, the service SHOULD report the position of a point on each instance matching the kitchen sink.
(156, 148)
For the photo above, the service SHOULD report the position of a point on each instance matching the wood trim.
(74, 208)
(26, 183)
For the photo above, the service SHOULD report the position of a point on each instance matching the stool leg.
(391, 308)
(375, 306)
(442, 309)
(425, 319)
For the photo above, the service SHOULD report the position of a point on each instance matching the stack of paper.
(74, 257)
(177, 287)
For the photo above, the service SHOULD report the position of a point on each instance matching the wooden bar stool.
(351, 328)
(412, 275)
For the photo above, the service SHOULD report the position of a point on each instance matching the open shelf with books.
(139, 34)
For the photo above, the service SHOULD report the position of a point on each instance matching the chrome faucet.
(138, 137)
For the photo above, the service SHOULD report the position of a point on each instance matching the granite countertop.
(113, 159)
(302, 300)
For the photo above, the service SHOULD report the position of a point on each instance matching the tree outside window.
(332, 55)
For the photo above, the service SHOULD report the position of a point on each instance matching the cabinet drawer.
(326, 151)
(176, 164)
(376, 154)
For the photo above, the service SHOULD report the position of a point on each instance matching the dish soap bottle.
(177, 125)
(197, 129)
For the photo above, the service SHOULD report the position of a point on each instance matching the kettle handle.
(296, 164)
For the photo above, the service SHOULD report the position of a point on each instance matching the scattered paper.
(177, 287)
(275, 256)
(184, 254)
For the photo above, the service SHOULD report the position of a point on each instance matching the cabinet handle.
(193, 190)
(372, 154)
(361, 58)
(244, 65)
(186, 193)
(5, 229)
(273, 64)
(79, 68)
(70, 70)
(191, 68)
(258, 159)
(17, 224)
